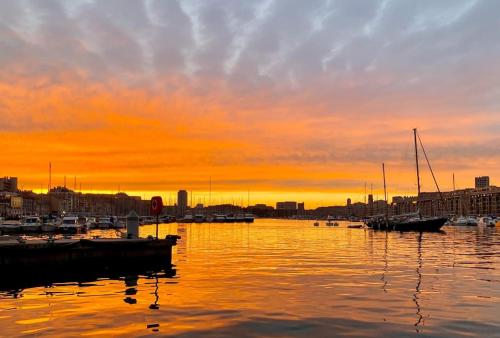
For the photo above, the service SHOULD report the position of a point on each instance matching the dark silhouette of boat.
(409, 222)
(431, 224)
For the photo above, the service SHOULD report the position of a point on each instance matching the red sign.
(156, 205)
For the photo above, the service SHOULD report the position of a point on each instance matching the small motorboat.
(249, 218)
(31, 224)
(70, 225)
(105, 223)
(10, 226)
(316, 224)
(49, 225)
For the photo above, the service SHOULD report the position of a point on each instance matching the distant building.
(300, 207)
(286, 205)
(370, 204)
(182, 202)
(482, 182)
(8, 184)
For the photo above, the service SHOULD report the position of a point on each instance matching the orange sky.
(286, 120)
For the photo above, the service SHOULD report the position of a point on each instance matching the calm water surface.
(283, 278)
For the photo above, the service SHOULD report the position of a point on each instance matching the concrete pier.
(44, 255)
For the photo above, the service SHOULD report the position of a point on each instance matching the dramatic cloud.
(269, 96)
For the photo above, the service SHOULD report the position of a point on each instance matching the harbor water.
(281, 278)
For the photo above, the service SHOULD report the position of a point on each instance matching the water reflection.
(278, 278)
(419, 283)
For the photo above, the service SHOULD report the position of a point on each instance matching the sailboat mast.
(385, 187)
(416, 159)
(385, 197)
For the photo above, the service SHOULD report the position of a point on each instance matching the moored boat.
(71, 225)
(249, 218)
(105, 223)
(49, 225)
(31, 224)
(199, 218)
(10, 226)
(409, 222)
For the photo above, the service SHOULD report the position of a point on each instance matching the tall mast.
(453, 181)
(416, 159)
(385, 197)
(385, 187)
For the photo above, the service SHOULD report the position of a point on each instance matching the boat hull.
(418, 225)
(423, 225)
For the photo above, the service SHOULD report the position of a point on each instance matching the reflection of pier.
(129, 272)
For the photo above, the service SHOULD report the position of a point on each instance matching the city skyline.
(299, 101)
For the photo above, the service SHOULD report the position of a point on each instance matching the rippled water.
(283, 278)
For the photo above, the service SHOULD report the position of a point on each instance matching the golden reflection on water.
(282, 278)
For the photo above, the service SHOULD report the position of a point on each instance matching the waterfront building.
(289, 205)
(482, 182)
(480, 202)
(8, 184)
(182, 202)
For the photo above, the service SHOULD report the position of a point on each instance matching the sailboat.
(415, 221)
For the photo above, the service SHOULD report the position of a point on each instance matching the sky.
(268, 100)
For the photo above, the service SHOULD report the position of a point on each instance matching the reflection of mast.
(155, 305)
(386, 266)
(419, 282)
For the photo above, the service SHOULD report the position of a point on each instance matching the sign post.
(156, 208)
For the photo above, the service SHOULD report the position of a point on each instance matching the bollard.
(132, 225)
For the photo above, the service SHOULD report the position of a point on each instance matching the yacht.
(70, 224)
(219, 218)
(120, 222)
(49, 225)
(465, 221)
(91, 222)
(249, 218)
(10, 226)
(488, 221)
(31, 224)
(188, 218)
(199, 218)
(105, 223)
(239, 218)
(146, 220)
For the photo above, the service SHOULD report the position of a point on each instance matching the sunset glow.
(270, 101)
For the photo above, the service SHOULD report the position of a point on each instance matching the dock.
(52, 259)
